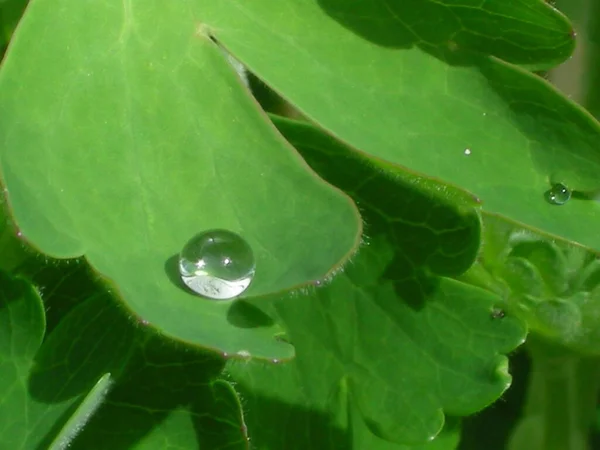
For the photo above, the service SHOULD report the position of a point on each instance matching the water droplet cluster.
(217, 264)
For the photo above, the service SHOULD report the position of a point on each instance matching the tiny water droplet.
(275, 361)
(559, 194)
(217, 264)
(498, 313)
(467, 151)
(244, 354)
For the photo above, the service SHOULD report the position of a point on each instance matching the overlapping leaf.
(431, 104)
(524, 32)
(389, 338)
(553, 285)
(50, 392)
(168, 398)
(10, 14)
(135, 136)
(40, 410)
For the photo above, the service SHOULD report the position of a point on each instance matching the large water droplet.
(217, 264)
(559, 194)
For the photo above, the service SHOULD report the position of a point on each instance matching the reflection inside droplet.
(217, 264)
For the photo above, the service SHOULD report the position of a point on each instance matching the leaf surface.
(168, 398)
(38, 411)
(404, 368)
(551, 284)
(137, 135)
(161, 395)
(437, 107)
(10, 14)
(392, 339)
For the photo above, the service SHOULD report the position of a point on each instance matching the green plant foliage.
(427, 101)
(83, 412)
(10, 13)
(436, 206)
(48, 393)
(106, 154)
(553, 285)
(53, 390)
(21, 333)
(384, 336)
(168, 398)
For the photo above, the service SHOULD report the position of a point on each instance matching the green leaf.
(561, 400)
(21, 333)
(403, 366)
(547, 256)
(166, 391)
(587, 15)
(35, 407)
(448, 438)
(66, 367)
(527, 32)
(13, 251)
(64, 284)
(10, 14)
(23, 323)
(168, 398)
(51, 391)
(551, 284)
(137, 135)
(523, 277)
(389, 337)
(472, 120)
(434, 228)
(82, 414)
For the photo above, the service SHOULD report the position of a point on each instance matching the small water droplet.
(217, 264)
(275, 361)
(467, 151)
(559, 194)
(244, 354)
(498, 313)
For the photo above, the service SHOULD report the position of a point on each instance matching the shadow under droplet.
(592, 195)
(172, 270)
(241, 313)
(245, 315)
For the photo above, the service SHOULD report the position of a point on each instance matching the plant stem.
(561, 401)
